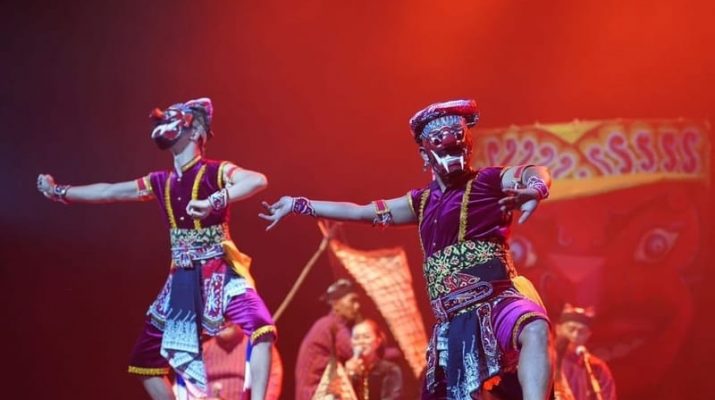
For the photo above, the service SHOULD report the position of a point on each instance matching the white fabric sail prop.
(334, 378)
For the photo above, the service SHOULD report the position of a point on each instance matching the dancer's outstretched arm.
(396, 211)
(240, 184)
(93, 193)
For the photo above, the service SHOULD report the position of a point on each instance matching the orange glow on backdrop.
(315, 94)
(620, 232)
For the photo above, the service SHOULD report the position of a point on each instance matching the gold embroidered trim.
(264, 330)
(412, 206)
(517, 327)
(147, 192)
(423, 203)
(195, 192)
(167, 201)
(219, 178)
(190, 164)
(148, 371)
(147, 184)
(464, 210)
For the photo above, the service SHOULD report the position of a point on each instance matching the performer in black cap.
(330, 336)
(581, 373)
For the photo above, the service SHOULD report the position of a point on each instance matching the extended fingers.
(194, 209)
(267, 217)
(508, 203)
(272, 207)
(269, 227)
(506, 200)
(525, 215)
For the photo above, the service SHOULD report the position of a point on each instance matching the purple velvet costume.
(468, 271)
(208, 282)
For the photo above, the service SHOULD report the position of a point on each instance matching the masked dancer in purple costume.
(209, 282)
(487, 327)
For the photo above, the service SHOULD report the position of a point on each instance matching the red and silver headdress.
(442, 131)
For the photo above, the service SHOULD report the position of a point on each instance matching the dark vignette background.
(315, 94)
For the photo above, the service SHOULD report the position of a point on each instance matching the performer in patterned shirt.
(488, 325)
(209, 281)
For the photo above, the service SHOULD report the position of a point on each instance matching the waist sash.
(189, 245)
(465, 263)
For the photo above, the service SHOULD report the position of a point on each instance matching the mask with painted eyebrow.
(448, 149)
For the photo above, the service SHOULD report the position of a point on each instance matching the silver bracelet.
(219, 200)
(539, 185)
(59, 193)
(302, 206)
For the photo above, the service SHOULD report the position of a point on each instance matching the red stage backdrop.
(624, 231)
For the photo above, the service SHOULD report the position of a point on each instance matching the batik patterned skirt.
(480, 316)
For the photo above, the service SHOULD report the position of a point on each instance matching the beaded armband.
(59, 193)
(228, 175)
(143, 188)
(302, 206)
(219, 200)
(383, 215)
(539, 185)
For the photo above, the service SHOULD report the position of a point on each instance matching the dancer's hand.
(199, 209)
(46, 185)
(526, 200)
(277, 210)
